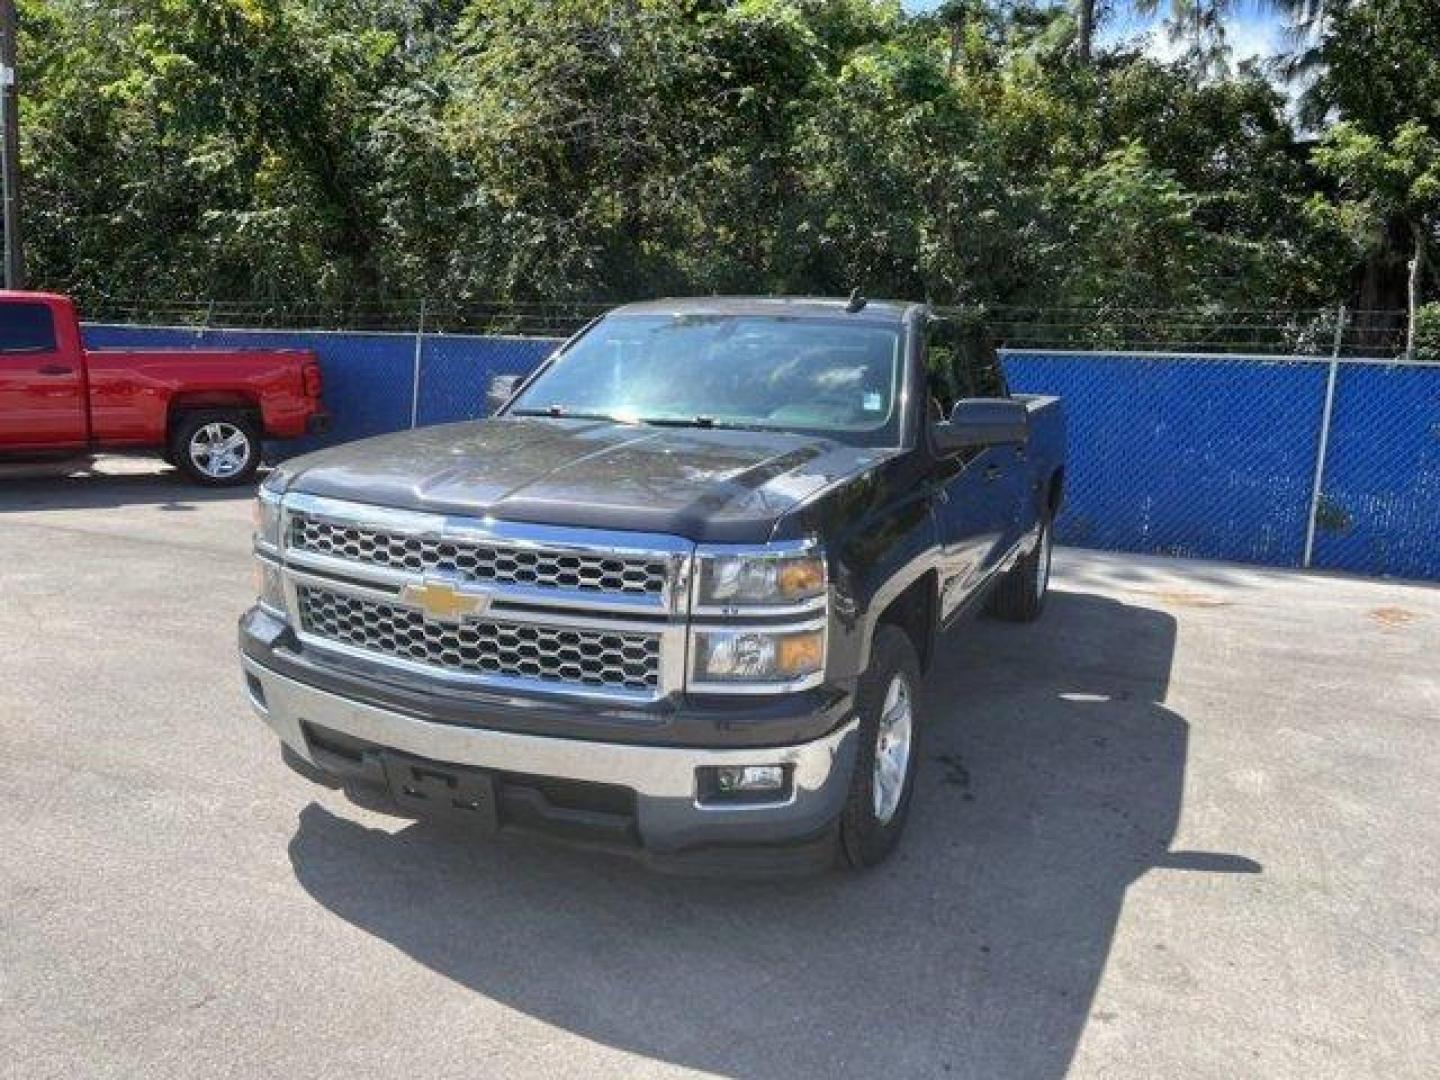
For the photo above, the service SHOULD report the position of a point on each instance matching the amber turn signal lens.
(801, 577)
(800, 654)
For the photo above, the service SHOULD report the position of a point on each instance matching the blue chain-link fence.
(1216, 457)
(1379, 508)
(1208, 456)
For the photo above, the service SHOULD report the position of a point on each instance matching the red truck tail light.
(311, 375)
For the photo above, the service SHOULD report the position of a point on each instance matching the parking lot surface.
(1184, 826)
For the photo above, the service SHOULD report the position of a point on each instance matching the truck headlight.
(267, 519)
(761, 579)
(758, 656)
(269, 587)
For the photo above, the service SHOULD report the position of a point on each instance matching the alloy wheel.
(219, 449)
(892, 749)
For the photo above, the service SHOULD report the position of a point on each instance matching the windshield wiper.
(678, 421)
(559, 412)
(706, 422)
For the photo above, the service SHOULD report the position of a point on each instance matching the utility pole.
(10, 148)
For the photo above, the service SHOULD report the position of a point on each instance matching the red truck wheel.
(217, 448)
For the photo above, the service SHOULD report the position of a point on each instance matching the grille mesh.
(478, 561)
(588, 658)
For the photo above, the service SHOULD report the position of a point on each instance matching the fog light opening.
(744, 783)
(256, 690)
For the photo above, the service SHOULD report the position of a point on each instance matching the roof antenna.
(857, 302)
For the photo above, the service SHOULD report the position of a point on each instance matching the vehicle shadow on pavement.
(1053, 779)
(162, 487)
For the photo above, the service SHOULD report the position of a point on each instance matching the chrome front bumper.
(670, 817)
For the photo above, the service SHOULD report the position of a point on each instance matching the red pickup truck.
(205, 410)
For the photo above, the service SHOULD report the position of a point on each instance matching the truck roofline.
(43, 297)
(874, 311)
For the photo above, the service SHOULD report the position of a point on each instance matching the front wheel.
(217, 449)
(884, 779)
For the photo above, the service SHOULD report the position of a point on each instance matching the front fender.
(877, 565)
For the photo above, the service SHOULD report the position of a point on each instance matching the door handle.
(992, 472)
(55, 369)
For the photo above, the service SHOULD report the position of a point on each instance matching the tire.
(1020, 594)
(875, 813)
(193, 443)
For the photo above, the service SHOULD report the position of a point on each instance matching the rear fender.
(190, 401)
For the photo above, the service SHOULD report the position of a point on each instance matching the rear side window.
(942, 363)
(968, 352)
(982, 370)
(26, 328)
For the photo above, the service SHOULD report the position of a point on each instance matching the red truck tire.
(216, 447)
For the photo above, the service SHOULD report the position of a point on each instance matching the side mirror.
(983, 422)
(502, 388)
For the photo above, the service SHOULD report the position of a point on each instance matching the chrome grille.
(599, 659)
(479, 561)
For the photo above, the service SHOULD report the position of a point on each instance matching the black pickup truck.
(677, 596)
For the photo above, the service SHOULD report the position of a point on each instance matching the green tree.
(1136, 243)
(1384, 181)
(223, 139)
(1377, 86)
(349, 152)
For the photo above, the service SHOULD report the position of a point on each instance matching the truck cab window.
(982, 375)
(942, 386)
(26, 328)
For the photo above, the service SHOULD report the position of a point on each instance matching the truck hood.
(704, 484)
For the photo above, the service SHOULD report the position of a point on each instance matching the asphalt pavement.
(1184, 826)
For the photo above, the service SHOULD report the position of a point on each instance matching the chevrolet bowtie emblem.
(444, 602)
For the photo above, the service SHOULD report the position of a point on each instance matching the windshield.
(714, 370)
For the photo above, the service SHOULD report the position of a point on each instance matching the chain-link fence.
(1309, 332)
(425, 316)
(1285, 461)
(1314, 331)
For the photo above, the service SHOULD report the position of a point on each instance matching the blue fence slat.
(139, 337)
(1197, 457)
(455, 372)
(1380, 504)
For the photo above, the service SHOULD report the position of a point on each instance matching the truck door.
(42, 390)
(973, 506)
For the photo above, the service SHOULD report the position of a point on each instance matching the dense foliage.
(351, 151)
